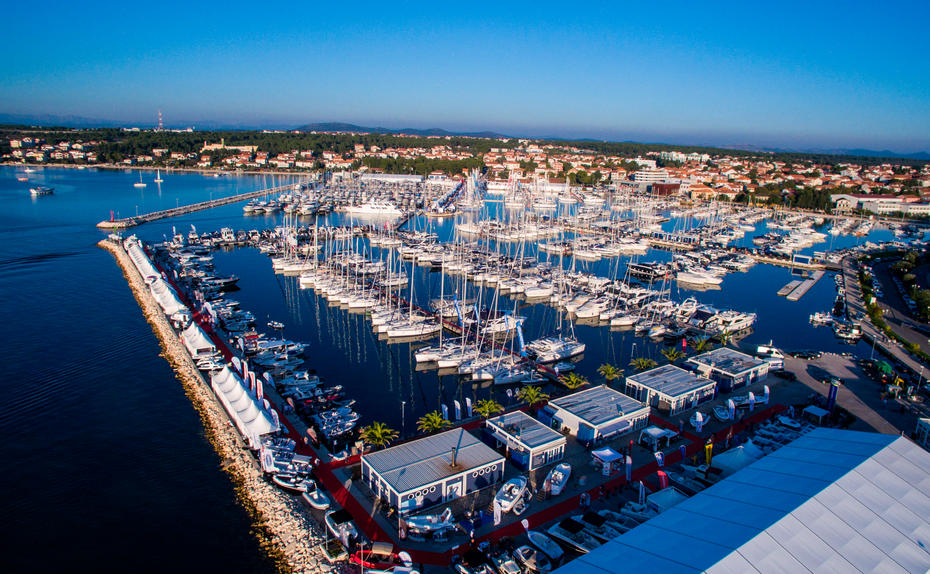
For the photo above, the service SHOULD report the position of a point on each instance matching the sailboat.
(140, 183)
(158, 178)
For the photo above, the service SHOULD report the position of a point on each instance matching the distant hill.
(337, 127)
(852, 152)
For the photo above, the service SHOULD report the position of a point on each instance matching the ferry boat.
(41, 190)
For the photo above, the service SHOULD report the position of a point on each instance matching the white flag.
(497, 512)
(458, 410)
(468, 405)
(445, 412)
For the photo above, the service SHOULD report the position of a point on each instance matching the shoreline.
(115, 167)
(282, 524)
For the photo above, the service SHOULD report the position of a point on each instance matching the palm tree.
(532, 396)
(432, 422)
(488, 407)
(672, 354)
(724, 337)
(378, 434)
(609, 372)
(701, 344)
(573, 381)
(643, 364)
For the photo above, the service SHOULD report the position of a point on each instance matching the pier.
(805, 286)
(125, 222)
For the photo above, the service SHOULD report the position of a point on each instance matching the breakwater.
(284, 526)
(125, 222)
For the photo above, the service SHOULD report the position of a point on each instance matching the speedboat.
(315, 497)
(546, 545)
(292, 482)
(340, 526)
(574, 535)
(722, 413)
(430, 522)
(558, 477)
(532, 560)
(511, 493)
(504, 563)
(637, 511)
(380, 556)
(619, 521)
(598, 526)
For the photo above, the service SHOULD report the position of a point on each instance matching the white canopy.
(196, 341)
(244, 408)
(606, 454)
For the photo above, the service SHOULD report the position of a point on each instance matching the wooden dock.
(184, 209)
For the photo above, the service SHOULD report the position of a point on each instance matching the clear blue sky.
(806, 74)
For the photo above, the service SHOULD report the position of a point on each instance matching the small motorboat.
(558, 478)
(292, 482)
(722, 413)
(380, 556)
(638, 512)
(598, 526)
(316, 497)
(511, 493)
(340, 526)
(789, 422)
(532, 560)
(546, 545)
(473, 562)
(504, 563)
(41, 190)
(619, 521)
(574, 535)
(430, 522)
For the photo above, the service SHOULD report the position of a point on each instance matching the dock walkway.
(125, 222)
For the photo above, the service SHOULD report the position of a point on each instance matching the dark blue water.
(106, 467)
(109, 464)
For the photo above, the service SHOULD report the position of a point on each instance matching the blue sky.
(805, 74)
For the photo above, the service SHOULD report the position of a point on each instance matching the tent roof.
(606, 454)
(831, 501)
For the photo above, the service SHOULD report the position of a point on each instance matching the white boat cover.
(244, 408)
(197, 342)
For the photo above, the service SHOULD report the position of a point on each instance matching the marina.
(422, 315)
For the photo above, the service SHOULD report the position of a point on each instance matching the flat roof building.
(596, 413)
(730, 368)
(830, 501)
(670, 388)
(420, 473)
(530, 444)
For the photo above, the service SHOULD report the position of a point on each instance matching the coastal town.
(844, 185)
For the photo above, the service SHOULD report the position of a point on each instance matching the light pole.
(874, 339)
(402, 418)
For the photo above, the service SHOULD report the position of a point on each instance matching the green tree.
(672, 354)
(573, 381)
(378, 434)
(609, 372)
(432, 422)
(488, 407)
(532, 396)
(701, 344)
(643, 363)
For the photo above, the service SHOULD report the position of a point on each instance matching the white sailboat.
(158, 178)
(139, 183)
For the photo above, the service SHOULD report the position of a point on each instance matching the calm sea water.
(110, 467)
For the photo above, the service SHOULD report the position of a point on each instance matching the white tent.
(140, 259)
(244, 408)
(166, 297)
(734, 459)
(197, 342)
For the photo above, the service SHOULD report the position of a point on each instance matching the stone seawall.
(282, 523)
